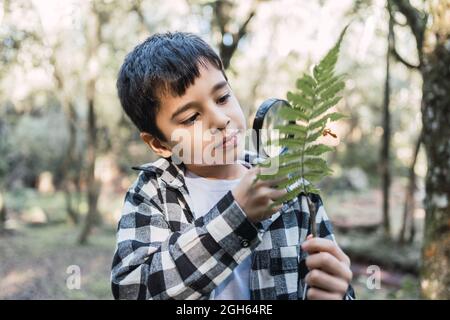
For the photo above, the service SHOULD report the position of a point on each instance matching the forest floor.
(37, 263)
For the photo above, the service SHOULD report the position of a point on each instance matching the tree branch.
(416, 20)
(243, 29)
(220, 15)
(393, 48)
(396, 22)
(399, 58)
(227, 51)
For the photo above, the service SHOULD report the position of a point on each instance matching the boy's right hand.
(255, 197)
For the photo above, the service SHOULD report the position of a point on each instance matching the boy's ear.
(156, 145)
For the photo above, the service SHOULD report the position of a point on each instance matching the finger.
(328, 263)
(276, 182)
(271, 182)
(325, 245)
(271, 208)
(265, 195)
(253, 175)
(259, 184)
(317, 294)
(322, 280)
(275, 194)
(261, 197)
(310, 236)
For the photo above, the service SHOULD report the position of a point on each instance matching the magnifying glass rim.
(259, 120)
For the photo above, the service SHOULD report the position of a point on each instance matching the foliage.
(308, 116)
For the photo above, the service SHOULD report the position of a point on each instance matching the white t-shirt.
(205, 193)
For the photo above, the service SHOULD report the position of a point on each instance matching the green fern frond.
(315, 94)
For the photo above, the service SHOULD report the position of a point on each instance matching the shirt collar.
(172, 174)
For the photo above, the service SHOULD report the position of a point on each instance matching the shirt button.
(245, 243)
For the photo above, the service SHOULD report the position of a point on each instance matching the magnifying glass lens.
(270, 135)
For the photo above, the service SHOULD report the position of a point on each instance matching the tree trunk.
(409, 205)
(68, 165)
(436, 138)
(385, 172)
(92, 185)
(2, 212)
(434, 56)
(92, 217)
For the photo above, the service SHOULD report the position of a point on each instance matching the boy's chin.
(226, 158)
(220, 161)
(229, 156)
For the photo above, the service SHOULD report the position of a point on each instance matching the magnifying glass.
(266, 119)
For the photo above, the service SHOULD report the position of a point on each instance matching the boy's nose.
(219, 121)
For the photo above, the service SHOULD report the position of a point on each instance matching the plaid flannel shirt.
(162, 252)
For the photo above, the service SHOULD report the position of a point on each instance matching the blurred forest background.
(66, 147)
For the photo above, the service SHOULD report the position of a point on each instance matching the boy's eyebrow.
(189, 105)
(218, 86)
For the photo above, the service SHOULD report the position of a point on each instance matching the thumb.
(253, 174)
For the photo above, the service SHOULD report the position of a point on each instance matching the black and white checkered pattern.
(163, 253)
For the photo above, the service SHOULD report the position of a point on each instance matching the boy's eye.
(190, 120)
(223, 99)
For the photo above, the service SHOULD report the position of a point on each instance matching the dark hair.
(164, 63)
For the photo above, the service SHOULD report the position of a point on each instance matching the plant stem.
(311, 206)
(312, 216)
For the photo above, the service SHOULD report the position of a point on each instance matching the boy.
(193, 229)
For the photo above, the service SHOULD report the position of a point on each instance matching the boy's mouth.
(229, 140)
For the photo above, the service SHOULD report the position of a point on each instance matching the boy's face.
(205, 124)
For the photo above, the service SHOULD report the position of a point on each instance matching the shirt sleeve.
(153, 262)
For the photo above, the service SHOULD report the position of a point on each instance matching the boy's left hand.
(330, 274)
